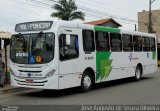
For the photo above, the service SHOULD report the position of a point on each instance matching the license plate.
(29, 81)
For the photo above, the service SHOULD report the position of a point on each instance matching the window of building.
(146, 43)
(68, 51)
(116, 43)
(137, 43)
(88, 41)
(127, 42)
(152, 43)
(102, 41)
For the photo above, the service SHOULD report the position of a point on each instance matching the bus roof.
(70, 24)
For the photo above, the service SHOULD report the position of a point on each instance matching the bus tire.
(138, 73)
(86, 82)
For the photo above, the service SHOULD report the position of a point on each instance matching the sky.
(123, 11)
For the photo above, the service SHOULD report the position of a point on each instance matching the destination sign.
(33, 26)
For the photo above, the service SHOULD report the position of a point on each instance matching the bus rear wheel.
(86, 81)
(138, 73)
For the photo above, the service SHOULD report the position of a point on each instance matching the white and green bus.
(61, 54)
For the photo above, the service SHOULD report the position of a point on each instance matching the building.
(4, 39)
(105, 22)
(4, 50)
(143, 20)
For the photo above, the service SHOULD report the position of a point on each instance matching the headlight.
(49, 74)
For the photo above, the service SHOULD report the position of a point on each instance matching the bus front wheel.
(86, 82)
(138, 73)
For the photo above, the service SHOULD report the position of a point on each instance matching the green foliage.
(67, 10)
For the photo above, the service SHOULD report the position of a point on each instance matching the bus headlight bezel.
(49, 74)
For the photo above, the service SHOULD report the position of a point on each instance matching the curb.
(10, 90)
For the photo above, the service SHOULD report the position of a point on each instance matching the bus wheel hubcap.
(87, 82)
(138, 73)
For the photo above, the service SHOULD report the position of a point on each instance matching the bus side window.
(127, 42)
(88, 41)
(116, 42)
(102, 41)
(146, 43)
(152, 44)
(137, 43)
(71, 51)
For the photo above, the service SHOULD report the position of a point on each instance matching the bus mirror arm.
(68, 39)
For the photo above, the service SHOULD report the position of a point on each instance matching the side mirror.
(68, 39)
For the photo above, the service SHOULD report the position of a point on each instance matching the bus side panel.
(69, 80)
(123, 64)
(149, 62)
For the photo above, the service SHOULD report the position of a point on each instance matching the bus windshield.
(37, 48)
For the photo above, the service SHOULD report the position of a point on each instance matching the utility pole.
(150, 28)
(135, 27)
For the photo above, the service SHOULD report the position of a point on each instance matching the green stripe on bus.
(106, 29)
(103, 65)
(154, 55)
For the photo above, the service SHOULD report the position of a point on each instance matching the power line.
(100, 5)
(10, 12)
(106, 14)
(94, 11)
(21, 9)
(26, 3)
(85, 9)
(89, 10)
(42, 3)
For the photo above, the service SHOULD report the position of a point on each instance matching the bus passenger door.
(69, 57)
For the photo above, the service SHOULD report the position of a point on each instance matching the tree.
(67, 10)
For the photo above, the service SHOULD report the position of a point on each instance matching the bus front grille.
(33, 83)
(29, 69)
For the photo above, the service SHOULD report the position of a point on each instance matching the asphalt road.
(119, 92)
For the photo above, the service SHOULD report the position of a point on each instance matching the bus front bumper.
(47, 83)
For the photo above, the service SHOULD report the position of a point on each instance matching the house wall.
(110, 24)
(143, 21)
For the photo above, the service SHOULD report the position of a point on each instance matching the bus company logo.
(132, 58)
(29, 74)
